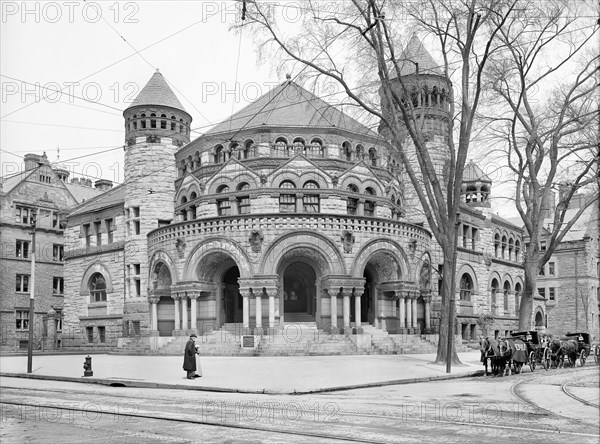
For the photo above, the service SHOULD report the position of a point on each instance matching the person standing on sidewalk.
(189, 357)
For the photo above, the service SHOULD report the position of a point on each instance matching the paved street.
(545, 406)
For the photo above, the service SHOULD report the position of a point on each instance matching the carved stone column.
(193, 295)
(408, 312)
(258, 313)
(154, 303)
(333, 299)
(401, 311)
(357, 314)
(184, 313)
(426, 295)
(246, 307)
(346, 307)
(271, 292)
(177, 330)
(299, 203)
(361, 207)
(415, 324)
(233, 206)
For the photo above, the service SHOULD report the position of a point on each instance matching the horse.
(514, 354)
(559, 349)
(489, 350)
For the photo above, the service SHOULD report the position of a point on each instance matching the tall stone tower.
(156, 125)
(422, 84)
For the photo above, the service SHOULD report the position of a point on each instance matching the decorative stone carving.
(334, 180)
(263, 179)
(347, 241)
(180, 245)
(202, 186)
(256, 240)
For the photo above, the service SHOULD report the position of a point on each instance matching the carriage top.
(531, 336)
(582, 338)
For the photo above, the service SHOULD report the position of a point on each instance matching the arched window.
(347, 150)
(506, 291)
(163, 121)
(495, 288)
(219, 155)
(97, 287)
(281, 147)
(485, 191)
(370, 204)
(134, 121)
(517, 298)
(197, 161)
(517, 250)
(193, 196)
(310, 201)
(143, 121)
(153, 120)
(466, 287)
(298, 146)
(287, 202)
(360, 152)
(504, 245)
(181, 125)
(243, 202)
(183, 200)
(248, 147)
(496, 245)
(315, 149)
(352, 205)
(173, 123)
(373, 156)
(182, 168)
(471, 194)
(511, 248)
(223, 189)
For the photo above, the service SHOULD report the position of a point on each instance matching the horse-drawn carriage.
(504, 355)
(538, 352)
(584, 345)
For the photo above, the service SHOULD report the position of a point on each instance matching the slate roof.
(157, 92)
(114, 196)
(473, 173)
(290, 105)
(81, 192)
(416, 52)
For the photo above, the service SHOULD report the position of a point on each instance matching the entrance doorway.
(232, 299)
(299, 293)
(366, 312)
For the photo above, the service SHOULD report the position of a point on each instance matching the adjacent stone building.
(42, 194)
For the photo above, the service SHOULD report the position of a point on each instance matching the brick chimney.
(103, 184)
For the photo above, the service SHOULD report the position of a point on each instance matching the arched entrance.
(539, 320)
(232, 299)
(161, 287)
(299, 292)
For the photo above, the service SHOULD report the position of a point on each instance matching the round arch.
(97, 267)
(163, 256)
(324, 250)
(218, 245)
(467, 269)
(378, 246)
(538, 317)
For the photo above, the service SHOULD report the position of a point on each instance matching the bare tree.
(550, 51)
(359, 46)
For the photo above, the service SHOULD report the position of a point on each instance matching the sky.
(69, 69)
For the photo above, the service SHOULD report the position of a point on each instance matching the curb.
(115, 382)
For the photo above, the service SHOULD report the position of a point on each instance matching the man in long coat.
(189, 357)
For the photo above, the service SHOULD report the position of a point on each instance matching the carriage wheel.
(531, 361)
(582, 357)
(546, 359)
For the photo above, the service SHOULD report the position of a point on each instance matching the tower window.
(163, 122)
(152, 121)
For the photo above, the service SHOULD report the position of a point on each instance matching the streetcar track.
(422, 418)
(563, 387)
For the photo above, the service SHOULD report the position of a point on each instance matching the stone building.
(569, 283)
(41, 192)
(287, 213)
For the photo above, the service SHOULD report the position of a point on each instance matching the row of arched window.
(507, 248)
(292, 199)
(467, 288)
(430, 98)
(221, 153)
(156, 122)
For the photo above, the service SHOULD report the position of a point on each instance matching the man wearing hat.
(189, 357)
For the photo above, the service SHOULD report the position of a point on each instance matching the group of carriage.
(508, 355)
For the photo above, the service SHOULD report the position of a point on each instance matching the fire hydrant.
(87, 366)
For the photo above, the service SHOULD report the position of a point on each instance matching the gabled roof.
(114, 196)
(7, 184)
(473, 173)
(415, 52)
(290, 105)
(157, 92)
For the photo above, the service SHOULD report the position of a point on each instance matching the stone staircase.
(300, 338)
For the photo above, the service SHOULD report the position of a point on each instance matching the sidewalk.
(273, 375)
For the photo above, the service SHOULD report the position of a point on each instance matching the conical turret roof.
(473, 173)
(157, 92)
(415, 52)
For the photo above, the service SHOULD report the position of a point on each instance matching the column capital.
(175, 295)
(359, 291)
(193, 294)
(153, 299)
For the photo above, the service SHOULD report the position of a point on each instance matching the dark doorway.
(299, 292)
(232, 299)
(365, 302)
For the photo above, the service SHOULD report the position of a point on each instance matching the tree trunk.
(526, 306)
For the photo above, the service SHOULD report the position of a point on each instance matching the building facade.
(41, 195)
(288, 212)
